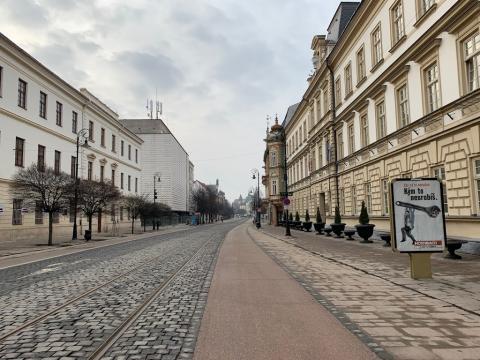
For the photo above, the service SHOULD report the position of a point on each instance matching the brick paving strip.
(255, 310)
(370, 286)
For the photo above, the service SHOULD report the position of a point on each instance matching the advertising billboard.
(418, 215)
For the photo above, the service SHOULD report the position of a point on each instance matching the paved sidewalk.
(370, 285)
(257, 311)
(25, 255)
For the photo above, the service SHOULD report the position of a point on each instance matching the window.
(74, 122)
(319, 110)
(22, 94)
(113, 177)
(348, 79)
(432, 87)
(129, 183)
(351, 138)
(304, 131)
(377, 51)
(1, 80)
(121, 181)
(385, 197)
(340, 145)
(273, 158)
(338, 92)
(477, 181)
(353, 193)
(136, 156)
(381, 121)
(90, 130)
(396, 18)
(472, 61)
(402, 104)
(121, 147)
(17, 212)
(368, 196)
(325, 100)
(89, 171)
(320, 155)
(136, 184)
(102, 137)
(57, 162)
(102, 173)
(19, 150)
(114, 143)
(425, 5)
(38, 212)
(439, 173)
(364, 130)
(43, 105)
(129, 152)
(59, 114)
(41, 158)
(361, 68)
(73, 167)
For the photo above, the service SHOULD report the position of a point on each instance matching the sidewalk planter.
(319, 227)
(338, 229)
(88, 235)
(365, 232)
(307, 225)
(338, 226)
(297, 225)
(364, 229)
(328, 230)
(349, 233)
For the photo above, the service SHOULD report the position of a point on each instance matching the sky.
(218, 66)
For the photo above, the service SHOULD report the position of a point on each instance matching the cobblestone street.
(67, 307)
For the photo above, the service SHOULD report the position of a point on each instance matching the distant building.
(165, 161)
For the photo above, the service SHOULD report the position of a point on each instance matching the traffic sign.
(286, 201)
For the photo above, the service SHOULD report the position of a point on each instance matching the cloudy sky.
(220, 66)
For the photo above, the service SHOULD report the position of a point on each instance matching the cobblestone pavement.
(77, 329)
(370, 287)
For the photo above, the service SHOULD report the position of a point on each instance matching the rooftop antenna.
(158, 107)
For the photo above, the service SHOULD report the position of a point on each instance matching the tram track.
(85, 294)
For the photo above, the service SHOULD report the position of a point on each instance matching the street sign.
(286, 201)
(286, 194)
(418, 216)
(24, 210)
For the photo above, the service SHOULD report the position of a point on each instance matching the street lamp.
(155, 196)
(256, 174)
(81, 134)
(286, 201)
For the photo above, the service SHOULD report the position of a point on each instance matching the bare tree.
(46, 187)
(94, 196)
(135, 205)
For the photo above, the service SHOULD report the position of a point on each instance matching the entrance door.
(99, 222)
(321, 201)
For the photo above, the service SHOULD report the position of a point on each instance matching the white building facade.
(40, 116)
(165, 163)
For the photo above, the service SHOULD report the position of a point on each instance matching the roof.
(288, 116)
(340, 20)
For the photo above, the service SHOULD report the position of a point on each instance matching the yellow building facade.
(395, 92)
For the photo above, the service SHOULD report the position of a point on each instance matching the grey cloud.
(154, 69)
(26, 12)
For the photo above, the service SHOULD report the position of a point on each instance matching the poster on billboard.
(418, 216)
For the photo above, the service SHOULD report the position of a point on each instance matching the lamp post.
(256, 174)
(155, 195)
(81, 134)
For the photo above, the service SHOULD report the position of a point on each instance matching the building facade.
(395, 92)
(40, 117)
(166, 161)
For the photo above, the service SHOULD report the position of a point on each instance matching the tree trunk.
(50, 229)
(144, 225)
(133, 223)
(90, 223)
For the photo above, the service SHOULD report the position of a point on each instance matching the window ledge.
(348, 95)
(426, 14)
(361, 81)
(376, 66)
(397, 44)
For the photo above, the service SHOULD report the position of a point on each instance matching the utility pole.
(285, 178)
(81, 133)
